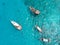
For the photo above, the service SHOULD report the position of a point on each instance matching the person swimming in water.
(34, 10)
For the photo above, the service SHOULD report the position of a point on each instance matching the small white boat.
(45, 40)
(19, 27)
(38, 28)
(34, 10)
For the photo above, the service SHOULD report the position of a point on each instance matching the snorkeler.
(34, 10)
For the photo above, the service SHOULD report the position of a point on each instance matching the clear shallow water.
(48, 20)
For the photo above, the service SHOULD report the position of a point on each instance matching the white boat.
(34, 10)
(19, 27)
(38, 28)
(45, 40)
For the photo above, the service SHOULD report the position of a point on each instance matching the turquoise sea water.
(48, 20)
